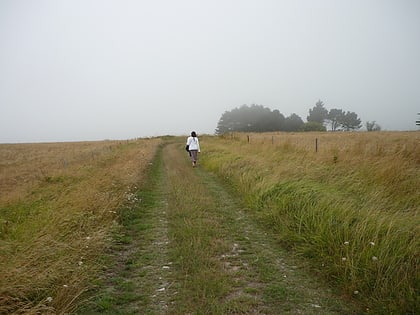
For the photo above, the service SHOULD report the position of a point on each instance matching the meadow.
(59, 202)
(348, 203)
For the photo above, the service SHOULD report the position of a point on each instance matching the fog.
(96, 69)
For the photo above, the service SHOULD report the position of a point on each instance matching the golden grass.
(357, 188)
(385, 159)
(59, 202)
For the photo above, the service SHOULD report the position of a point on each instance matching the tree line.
(258, 118)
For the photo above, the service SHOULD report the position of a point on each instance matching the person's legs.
(194, 157)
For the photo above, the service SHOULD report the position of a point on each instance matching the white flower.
(372, 243)
(344, 259)
(80, 263)
(65, 286)
(374, 258)
(346, 243)
(49, 299)
(356, 292)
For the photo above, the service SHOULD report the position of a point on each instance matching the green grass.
(216, 260)
(196, 243)
(351, 214)
(118, 287)
(356, 221)
(55, 218)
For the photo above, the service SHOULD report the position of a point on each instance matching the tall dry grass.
(351, 207)
(58, 204)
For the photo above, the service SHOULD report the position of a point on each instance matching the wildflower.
(372, 243)
(374, 258)
(49, 299)
(65, 286)
(87, 238)
(356, 292)
(80, 263)
(346, 243)
(344, 259)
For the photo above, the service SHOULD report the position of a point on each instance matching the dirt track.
(239, 268)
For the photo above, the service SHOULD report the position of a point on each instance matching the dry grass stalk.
(359, 189)
(56, 216)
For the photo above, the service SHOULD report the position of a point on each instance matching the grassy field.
(58, 204)
(190, 247)
(347, 202)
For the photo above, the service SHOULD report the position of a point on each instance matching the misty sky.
(101, 69)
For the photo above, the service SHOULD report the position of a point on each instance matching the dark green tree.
(351, 121)
(313, 126)
(254, 118)
(318, 113)
(293, 123)
(225, 123)
(276, 121)
(335, 118)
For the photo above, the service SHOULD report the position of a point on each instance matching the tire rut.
(264, 278)
(244, 269)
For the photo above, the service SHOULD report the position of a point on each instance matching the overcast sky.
(119, 69)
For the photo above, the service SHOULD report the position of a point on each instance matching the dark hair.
(193, 134)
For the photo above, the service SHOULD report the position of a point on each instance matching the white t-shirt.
(193, 143)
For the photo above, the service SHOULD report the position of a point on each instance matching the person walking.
(193, 147)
